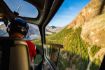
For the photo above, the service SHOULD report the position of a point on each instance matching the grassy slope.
(74, 46)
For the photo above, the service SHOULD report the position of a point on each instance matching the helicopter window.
(52, 48)
(24, 8)
(61, 32)
(34, 35)
(3, 31)
(33, 32)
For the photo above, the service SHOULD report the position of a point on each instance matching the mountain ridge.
(91, 10)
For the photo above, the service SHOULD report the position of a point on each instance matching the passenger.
(18, 28)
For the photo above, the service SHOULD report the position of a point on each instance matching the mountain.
(93, 9)
(53, 29)
(83, 39)
(93, 31)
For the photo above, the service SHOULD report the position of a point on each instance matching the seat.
(13, 54)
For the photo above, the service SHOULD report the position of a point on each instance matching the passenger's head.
(18, 27)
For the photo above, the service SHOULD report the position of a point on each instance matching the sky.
(66, 13)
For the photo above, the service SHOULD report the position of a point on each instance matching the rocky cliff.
(92, 21)
(94, 8)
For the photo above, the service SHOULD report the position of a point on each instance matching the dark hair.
(18, 25)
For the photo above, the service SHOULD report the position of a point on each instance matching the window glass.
(33, 32)
(24, 8)
(3, 32)
(80, 40)
(34, 36)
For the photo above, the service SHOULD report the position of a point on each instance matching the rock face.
(94, 8)
(93, 31)
(92, 21)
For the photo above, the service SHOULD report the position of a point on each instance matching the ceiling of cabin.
(38, 12)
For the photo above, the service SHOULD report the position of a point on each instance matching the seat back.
(13, 54)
